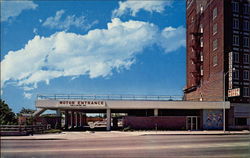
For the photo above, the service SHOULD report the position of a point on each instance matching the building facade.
(218, 55)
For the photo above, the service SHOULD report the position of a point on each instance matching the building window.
(201, 28)
(236, 23)
(192, 37)
(246, 25)
(215, 60)
(246, 8)
(201, 9)
(240, 121)
(236, 57)
(236, 74)
(246, 92)
(215, 28)
(246, 41)
(236, 40)
(235, 6)
(246, 59)
(192, 19)
(246, 75)
(215, 13)
(201, 40)
(215, 44)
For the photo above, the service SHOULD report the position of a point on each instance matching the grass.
(53, 131)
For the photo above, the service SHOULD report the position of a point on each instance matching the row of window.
(236, 24)
(236, 7)
(246, 58)
(236, 41)
(236, 74)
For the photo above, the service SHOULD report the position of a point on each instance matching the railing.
(22, 129)
(109, 97)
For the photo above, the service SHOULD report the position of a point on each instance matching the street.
(114, 145)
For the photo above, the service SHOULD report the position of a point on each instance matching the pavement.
(97, 134)
(116, 144)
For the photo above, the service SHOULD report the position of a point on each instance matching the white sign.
(234, 92)
(230, 73)
(82, 103)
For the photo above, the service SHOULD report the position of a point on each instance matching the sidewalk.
(244, 132)
(106, 134)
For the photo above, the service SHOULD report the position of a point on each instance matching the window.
(246, 26)
(236, 57)
(201, 28)
(246, 59)
(236, 74)
(215, 44)
(246, 75)
(201, 40)
(246, 92)
(240, 121)
(192, 37)
(215, 60)
(201, 56)
(246, 42)
(214, 29)
(192, 19)
(246, 9)
(236, 40)
(235, 6)
(215, 13)
(201, 9)
(236, 23)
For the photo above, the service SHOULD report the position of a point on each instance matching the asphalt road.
(94, 145)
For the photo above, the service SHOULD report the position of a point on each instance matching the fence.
(22, 129)
(109, 97)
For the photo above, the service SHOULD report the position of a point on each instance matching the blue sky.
(91, 47)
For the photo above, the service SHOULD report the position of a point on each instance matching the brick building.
(218, 55)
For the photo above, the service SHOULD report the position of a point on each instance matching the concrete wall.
(161, 122)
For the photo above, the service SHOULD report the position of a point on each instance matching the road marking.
(186, 146)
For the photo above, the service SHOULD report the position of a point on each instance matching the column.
(66, 126)
(108, 113)
(59, 120)
(72, 119)
(155, 112)
(76, 119)
(80, 119)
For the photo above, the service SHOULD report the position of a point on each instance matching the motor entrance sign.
(75, 103)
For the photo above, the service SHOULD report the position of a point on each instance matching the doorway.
(192, 123)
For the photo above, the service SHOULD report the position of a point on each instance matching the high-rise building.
(218, 55)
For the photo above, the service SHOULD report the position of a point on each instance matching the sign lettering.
(82, 103)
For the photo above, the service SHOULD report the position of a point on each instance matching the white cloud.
(27, 95)
(98, 53)
(35, 31)
(173, 38)
(58, 22)
(10, 9)
(133, 7)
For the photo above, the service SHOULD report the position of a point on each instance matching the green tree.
(7, 117)
(26, 111)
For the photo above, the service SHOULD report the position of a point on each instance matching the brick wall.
(162, 122)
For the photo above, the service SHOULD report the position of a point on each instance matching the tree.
(7, 117)
(26, 111)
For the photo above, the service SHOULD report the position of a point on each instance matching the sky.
(89, 47)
